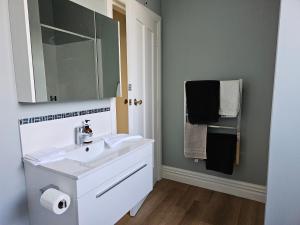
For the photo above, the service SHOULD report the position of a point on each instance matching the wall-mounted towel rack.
(222, 127)
(217, 126)
(236, 128)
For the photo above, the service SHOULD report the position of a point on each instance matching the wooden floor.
(173, 203)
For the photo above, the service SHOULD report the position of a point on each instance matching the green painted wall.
(215, 39)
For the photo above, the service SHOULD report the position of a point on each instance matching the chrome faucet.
(83, 134)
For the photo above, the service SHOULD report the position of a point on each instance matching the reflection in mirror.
(67, 15)
(107, 33)
(69, 66)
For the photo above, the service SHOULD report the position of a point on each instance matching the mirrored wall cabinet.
(63, 52)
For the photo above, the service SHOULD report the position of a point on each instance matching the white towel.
(229, 98)
(116, 139)
(195, 141)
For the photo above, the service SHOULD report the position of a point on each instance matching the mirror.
(75, 52)
(108, 55)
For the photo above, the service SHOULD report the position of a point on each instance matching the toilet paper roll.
(55, 201)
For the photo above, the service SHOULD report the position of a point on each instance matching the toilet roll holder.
(62, 204)
(48, 187)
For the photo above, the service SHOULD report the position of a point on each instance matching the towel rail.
(238, 124)
(222, 127)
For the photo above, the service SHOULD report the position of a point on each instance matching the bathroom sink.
(87, 153)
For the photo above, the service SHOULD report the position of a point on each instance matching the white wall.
(13, 206)
(13, 209)
(283, 198)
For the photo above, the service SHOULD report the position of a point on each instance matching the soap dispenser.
(88, 131)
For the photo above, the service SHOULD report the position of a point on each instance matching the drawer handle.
(120, 181)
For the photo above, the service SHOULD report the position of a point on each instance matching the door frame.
(157, 85)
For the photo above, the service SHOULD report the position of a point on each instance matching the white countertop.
(77, 170)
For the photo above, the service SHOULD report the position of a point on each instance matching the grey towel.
(195, 141)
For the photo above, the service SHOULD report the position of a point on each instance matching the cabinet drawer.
(106, 205)
(114, 169)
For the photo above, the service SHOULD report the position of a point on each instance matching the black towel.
(203, 101)
(221, 151)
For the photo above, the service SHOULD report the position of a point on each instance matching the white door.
(143, 38)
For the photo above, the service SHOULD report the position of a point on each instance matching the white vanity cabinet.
(101, 192)
(106, 205)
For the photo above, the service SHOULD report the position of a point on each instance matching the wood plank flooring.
(173, 203)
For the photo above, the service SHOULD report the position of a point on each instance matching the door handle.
(136, 102)
(126, 101)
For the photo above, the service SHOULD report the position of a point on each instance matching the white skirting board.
(232, 187)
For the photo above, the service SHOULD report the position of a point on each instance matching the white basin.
(87, 153)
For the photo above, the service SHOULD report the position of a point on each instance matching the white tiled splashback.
(60, 132)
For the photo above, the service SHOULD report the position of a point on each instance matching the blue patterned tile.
(37, 119)
(68, 115)
(62, 116)
(25, 121)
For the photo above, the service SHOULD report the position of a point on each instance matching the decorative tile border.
(39, 119)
